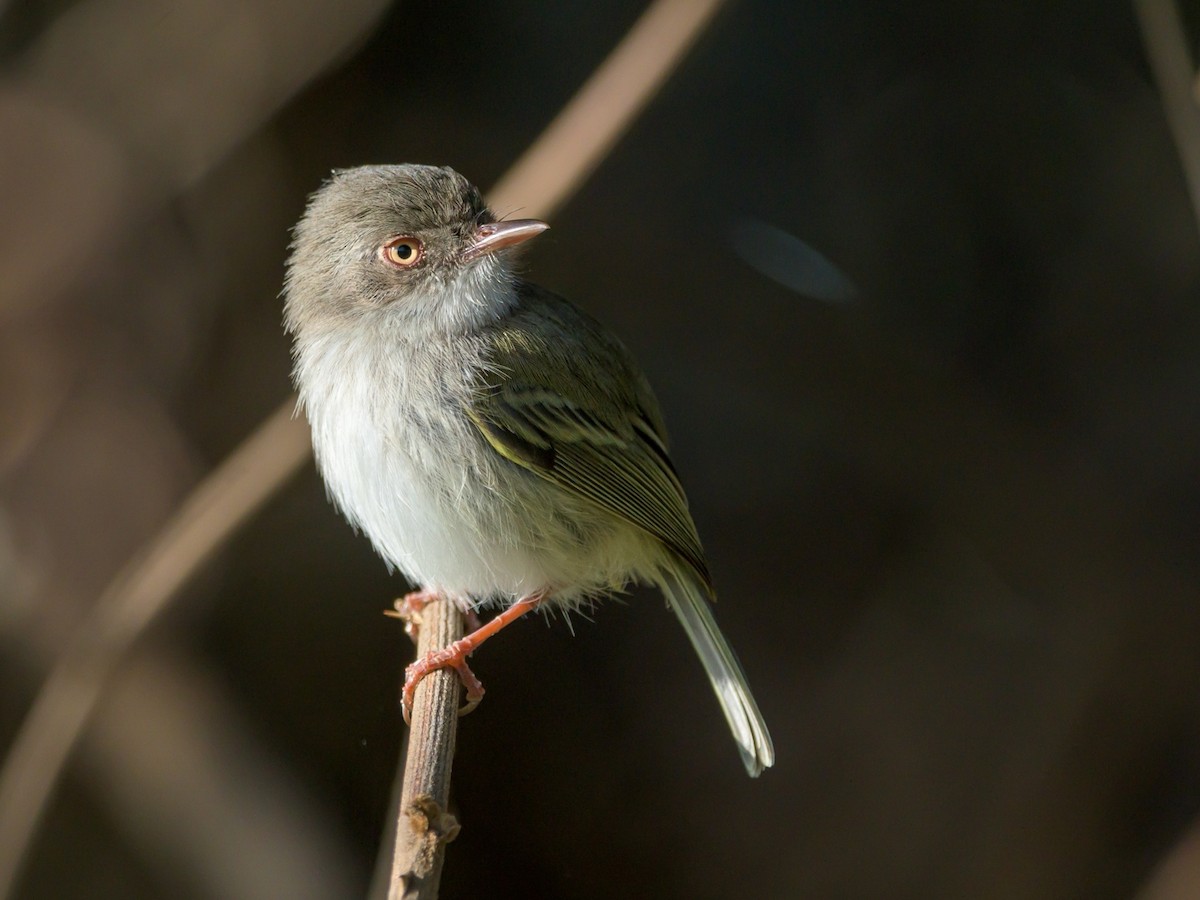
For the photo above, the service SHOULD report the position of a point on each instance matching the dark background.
(943, 453)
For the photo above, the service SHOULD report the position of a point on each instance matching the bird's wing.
(561, 397)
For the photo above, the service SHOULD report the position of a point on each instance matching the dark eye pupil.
(404, 251)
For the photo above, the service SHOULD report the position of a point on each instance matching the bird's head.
(408, 246)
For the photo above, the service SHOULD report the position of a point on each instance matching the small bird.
(496, 444)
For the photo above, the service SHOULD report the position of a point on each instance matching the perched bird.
(496, 444)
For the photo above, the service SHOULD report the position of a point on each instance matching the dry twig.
(424, 826)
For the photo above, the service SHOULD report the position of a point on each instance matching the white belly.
(452, 515)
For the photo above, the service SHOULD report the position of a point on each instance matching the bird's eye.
(402, 252)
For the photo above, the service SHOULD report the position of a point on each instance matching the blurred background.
(917, 285)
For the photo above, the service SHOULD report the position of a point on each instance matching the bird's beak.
(498, 235)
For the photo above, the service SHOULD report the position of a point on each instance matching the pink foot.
(455, 657)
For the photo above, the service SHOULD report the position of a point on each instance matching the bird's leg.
(409, 607)
(455, 656)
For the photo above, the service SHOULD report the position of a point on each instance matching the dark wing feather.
(593, 428)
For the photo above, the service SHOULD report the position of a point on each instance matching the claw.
(455, 656)
(409, 608)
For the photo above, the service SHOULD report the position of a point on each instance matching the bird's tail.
(690, 601)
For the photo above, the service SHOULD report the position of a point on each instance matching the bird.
(498, 446)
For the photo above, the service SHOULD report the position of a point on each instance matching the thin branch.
(423, 826)
(1174, 71)
(541, 181)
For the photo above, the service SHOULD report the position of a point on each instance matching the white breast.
(407, 468)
